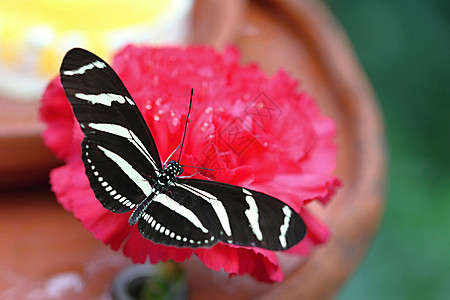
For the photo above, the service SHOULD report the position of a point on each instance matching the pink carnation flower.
(254, 131)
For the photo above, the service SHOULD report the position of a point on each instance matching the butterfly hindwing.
(107, 179)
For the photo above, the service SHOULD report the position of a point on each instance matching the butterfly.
(126, 173)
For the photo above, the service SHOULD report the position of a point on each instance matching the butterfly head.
(168, 175)
(174, 168)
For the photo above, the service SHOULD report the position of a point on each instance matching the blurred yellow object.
(67, 15)
(34, 35)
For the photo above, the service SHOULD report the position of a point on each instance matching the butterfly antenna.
(185, 125)
(201, 168)
(173, 152)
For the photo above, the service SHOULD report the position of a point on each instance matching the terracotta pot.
(44, 241)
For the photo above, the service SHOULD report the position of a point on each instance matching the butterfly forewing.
(119, 152)
(98, 96)
(223, 212)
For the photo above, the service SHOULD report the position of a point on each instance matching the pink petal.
(290, 161)
(56, 112)
(259, 263)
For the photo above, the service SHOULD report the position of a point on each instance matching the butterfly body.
(126, 174)
(164, 179)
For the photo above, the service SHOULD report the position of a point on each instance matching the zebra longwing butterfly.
(126, 174)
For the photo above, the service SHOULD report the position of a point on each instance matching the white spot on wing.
(246, 192)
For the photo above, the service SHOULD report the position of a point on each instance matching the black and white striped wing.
(118, 151)
(199, 213)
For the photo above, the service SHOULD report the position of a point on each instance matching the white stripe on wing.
(217, 205)
(181, 210)
(104, 99)
(128, 134)
(128, 169)
(81, 70)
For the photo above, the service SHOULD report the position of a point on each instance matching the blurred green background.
(404, 47)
